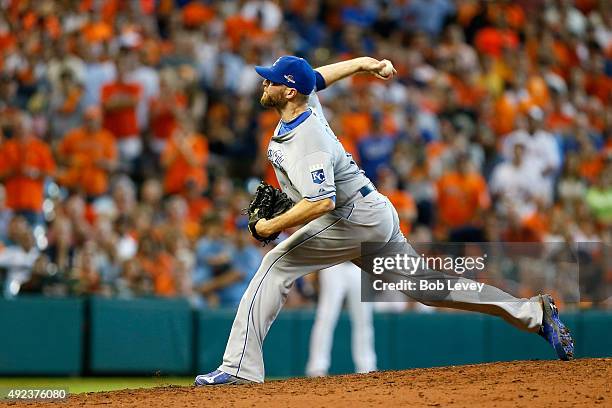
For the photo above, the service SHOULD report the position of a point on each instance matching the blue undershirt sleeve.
(320, 81)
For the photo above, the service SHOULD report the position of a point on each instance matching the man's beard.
(270, 101)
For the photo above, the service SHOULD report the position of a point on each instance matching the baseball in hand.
(387, 70)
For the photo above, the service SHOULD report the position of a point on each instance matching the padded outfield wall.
(42, 336)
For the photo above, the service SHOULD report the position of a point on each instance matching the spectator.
(214, 270)
(158, 264)
(246, 259)
(177, 217)
(164, 110)
(151, 194)
(133, 281)
(90, 154)
(63, 61)
(25, 162)
(18, 257)
(75, 209)
(429, 16)
(269, 11)
(456, 49)
(177, 245)
(61, 248)
(462, 196)
(96, 30)
(493, 40)
(184, 158)
(599, 197)
(148, 79)
(43, 280)
(571, 187)
(402, 201)
(106, 245)
(515, 185)
(6, 214)
(421, 186)
(309, 28)
(124, 195)
(198, 205)
(126, 245)
(542, 150)
(66, 105)
(376, 149)
(99, 71)
(120, 100)
(86, 279)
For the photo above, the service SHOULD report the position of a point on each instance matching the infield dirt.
(583, 382)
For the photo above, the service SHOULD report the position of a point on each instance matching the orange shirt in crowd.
(506, 110)
(197, 207)
(196, 14)
(160, 269)
(466, 10)
(514, 14)
(178, 169)
(96, 32)
(22, 192)
(270, 175)
(238, 27)
(268, 120)
(607, 150)
(163, 120)
(72, 100)
(601, 87)
(7, 43)
(82, 150)
(460, 197)
(350, 146)
(492, 41)
(468, 94)
(434, 150)
(108, 8)
(192, 230)
(557, 121)
(356, 125)
(538, 90)
(403, 203)
(537, 222)
(121, 122)
(591, 167)
(565, 57)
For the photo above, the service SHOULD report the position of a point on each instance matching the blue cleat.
(554, 331)
(219, 377)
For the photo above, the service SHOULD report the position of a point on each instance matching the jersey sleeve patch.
(318, 175)
(313, 176)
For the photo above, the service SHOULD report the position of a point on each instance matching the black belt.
(365, 190)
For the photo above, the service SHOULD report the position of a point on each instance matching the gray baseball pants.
(329, 240)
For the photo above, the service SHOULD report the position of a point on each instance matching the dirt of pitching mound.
(584, 382)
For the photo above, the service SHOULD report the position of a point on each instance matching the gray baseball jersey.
(311, 163)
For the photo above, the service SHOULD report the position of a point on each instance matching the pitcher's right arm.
(331, 73)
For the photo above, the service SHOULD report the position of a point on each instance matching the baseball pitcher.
(339, 209)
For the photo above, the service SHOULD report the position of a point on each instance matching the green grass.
(78, 385)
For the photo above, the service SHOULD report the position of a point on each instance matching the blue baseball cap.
(291, 71)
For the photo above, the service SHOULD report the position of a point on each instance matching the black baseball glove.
(268, 202)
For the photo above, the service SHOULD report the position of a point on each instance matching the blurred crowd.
(131, 133)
